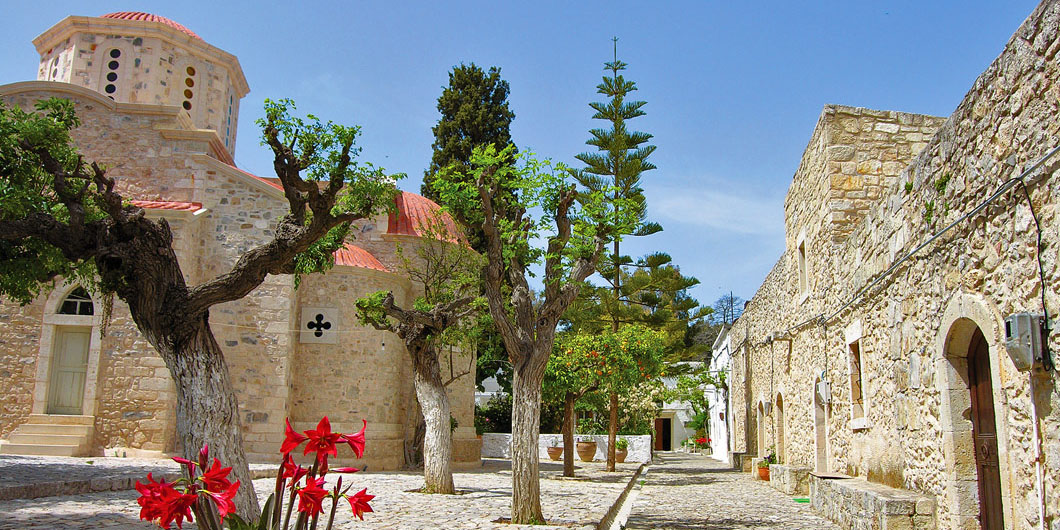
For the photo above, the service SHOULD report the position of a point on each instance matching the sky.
(733, 89)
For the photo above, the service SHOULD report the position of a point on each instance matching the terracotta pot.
(586, 451)
(555, 453)
(763, 473)
(620, 455)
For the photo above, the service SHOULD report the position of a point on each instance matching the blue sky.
(733, 88)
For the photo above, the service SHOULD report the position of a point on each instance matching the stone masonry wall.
(916, 434)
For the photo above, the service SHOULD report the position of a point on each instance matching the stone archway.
(781, 447)
(53, 325)
(968, 324)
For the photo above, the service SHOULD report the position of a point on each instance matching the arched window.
(77, 303)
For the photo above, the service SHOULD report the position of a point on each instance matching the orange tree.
(610, 361)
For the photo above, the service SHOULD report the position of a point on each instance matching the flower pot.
(555, 453)
(763, 473)
(586, 451)
(620, 455)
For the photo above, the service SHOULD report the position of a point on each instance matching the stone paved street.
(692, 491)
(578, 503)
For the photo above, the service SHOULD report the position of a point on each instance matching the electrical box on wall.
(1023, 339)
(825, 391)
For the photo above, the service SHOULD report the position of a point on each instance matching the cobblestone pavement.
(693, 491)
(486, 497)
(27, 477)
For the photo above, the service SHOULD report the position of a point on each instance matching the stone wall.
(913, 327)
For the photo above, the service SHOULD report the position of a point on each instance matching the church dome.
(148, 17)
(415, 213)
(354, 256)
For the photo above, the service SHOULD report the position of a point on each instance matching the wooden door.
(984, 434)
(66, 386)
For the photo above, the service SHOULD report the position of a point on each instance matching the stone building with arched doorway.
(159, 106)
(874, 351)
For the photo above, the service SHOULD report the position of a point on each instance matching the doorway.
(66, 383)
(984, 433)
(663, 434)
(820, 429)
(781, 459)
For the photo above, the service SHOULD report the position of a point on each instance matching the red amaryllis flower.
(186, 463)
(293, 439)
(359, 502)
(204, 456)
(347, 469)
(175, 507)
(150, 500)
(292, 470)
(311, 497)
(215, 479)
(223, 499)
(322, 440)
(356, 440)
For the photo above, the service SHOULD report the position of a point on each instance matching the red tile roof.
(415, 213)
(355, 256)
(168, 205)
(148, 17)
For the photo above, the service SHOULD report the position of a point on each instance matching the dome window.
(77, 303)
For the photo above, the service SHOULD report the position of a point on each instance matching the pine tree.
(616, 166)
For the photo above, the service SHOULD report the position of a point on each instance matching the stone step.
(61, 419)
(22, 438)
(47, 428)
(40, 450)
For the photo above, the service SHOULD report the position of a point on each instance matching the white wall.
(499, 445)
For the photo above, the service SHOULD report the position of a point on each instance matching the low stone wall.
(498, 445)
(858, 503)
(789, 480)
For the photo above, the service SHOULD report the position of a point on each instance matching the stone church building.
(873, 358)
(159, 106)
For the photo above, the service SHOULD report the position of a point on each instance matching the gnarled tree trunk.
(526, 422)
(568, 434)
(612, 432)
(434, 403)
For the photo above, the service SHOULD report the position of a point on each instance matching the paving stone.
(568, 503)
(693, 491)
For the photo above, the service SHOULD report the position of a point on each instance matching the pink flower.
(293, 439)
(359, 502)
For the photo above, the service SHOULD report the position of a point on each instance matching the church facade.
(159, 107)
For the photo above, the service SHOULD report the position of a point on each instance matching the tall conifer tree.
(621, 157)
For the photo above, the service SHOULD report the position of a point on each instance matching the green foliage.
(593, 425)
(929, 212)
(908, 187)
(622, 444)
(495, 415)
(27, 266)
(610, 360)
(235, 522)
(537, 187)
(327, 152)
(941, 182)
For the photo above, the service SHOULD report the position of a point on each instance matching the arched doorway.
(781, 453)
(761, 428)
(820, 429)
(984, 433)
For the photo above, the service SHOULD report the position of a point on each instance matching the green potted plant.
(621, 449)
(763, 464)
(555, 450)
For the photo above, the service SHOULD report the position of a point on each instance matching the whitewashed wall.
(498, 445)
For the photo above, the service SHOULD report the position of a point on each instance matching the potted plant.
(555, 451)
(763, 464)
(621, 449)
(586, 448)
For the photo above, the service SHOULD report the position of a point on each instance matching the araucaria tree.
(620, 158)
(61, 216)
(447, 271)
(575, 225)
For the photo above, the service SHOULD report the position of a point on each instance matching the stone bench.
(789, 480)
(858, 503)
